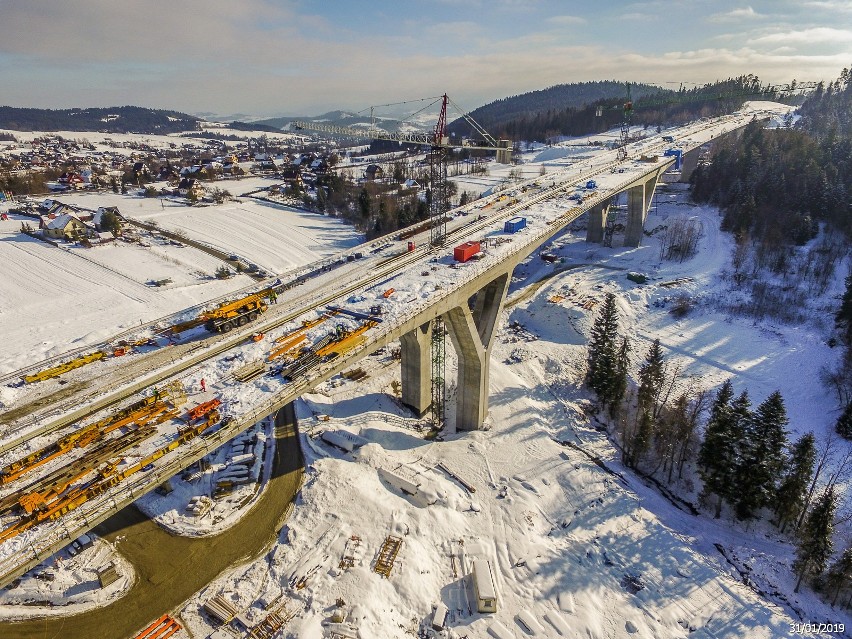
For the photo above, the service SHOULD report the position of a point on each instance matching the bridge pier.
(689, 161)
(597, 223)
(416, 368)
(472, 331)
(638, 203)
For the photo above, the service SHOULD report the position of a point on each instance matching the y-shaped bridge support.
(638, 203)
(471, 325)
(472, 331)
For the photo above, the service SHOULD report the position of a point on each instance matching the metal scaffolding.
(439, 392)
(438, 200)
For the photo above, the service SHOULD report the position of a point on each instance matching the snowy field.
(579, 546)
(577, 550)
(55, 300)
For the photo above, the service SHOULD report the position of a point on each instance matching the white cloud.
(262, 56)
(745, 13)
(830, 5)
(813, 35)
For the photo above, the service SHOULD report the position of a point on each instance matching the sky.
(306, 57)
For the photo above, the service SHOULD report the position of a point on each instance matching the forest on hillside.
(125, 119)
(652, 106)
(494, 115)
(778, 184)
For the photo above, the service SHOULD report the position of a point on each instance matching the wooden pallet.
(348, 560)
(387, 555)
(272, 623)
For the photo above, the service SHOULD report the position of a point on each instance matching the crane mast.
(439, 204)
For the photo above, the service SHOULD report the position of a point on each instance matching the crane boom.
(412, 137)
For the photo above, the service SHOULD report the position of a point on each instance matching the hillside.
(541, 116)
(125, 119)
(561, 96)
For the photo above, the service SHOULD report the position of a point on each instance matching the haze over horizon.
(299, 57)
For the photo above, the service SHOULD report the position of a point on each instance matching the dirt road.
(170, 569)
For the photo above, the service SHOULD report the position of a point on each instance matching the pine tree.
(717, 455)
(815, 543)
(844, 423)
(790, 498)
(619, 382)
(844, 314)
(839, 576)
(651, 378)
(603, 356)
(762, 456)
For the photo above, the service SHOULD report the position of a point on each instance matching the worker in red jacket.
(203, 386)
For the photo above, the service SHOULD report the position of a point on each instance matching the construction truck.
(236, 313)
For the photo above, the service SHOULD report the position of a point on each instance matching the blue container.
(514, 225)
(678, 155)
(591, 184)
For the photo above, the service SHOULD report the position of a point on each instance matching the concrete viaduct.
(470, 309)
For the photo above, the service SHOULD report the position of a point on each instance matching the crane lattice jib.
(373, 134)
(427, 138)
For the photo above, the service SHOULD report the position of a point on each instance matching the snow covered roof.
(62, 221)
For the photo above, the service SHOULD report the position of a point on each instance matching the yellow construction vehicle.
(56, 371)
(235, 313)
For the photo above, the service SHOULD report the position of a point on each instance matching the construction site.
(348, 514)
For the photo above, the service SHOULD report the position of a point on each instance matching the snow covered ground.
(579, 546)
(68, 583)
(56, 300)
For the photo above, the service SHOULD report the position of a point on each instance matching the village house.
(190, 187)
(66, 226)
(373, 172)
(292, 175)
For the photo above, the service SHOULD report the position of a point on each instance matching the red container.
(411, 246)
(463, 252)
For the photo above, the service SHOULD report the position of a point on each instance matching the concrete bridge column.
(688, 163)
(638, 203)
(472, 331)
(597, 223)
(416, 368)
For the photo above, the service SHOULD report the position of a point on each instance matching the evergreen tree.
(762, 456)
(651, 378)
(364, 205)
(619, 382)
(815, 545)
(839, 576)
(790, 498)
(844, 423)
(718, 453)
(843, 318)
(603, 355)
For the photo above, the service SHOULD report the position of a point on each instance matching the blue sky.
(303, 57)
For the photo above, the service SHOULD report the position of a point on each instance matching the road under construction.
(73, 454)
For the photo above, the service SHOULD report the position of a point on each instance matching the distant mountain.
(595, 107)
(125, 119)
(494, 115)
(347, 118)
(252, 126)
